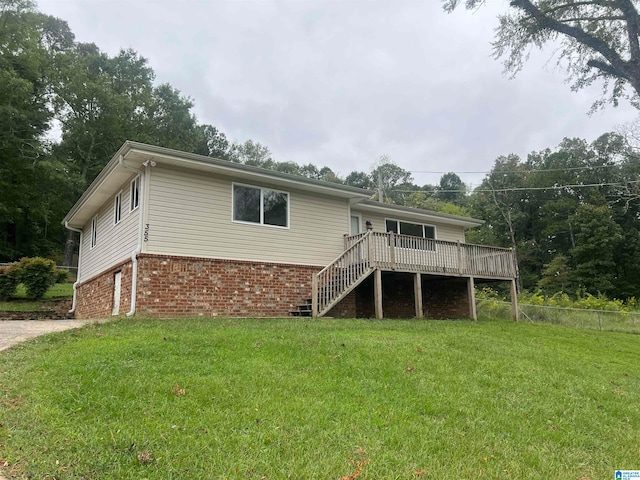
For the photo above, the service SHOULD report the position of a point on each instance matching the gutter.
(138, 249)
(75, 284)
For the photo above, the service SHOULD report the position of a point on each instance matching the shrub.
(9, 279)
(38, 275)
(62, 276)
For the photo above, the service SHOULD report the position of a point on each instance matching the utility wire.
(519, 189)
(525, 171)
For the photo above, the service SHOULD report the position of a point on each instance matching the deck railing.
(368, 251)
(406, 253)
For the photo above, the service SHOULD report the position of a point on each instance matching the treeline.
(65, 109)
(571, 213)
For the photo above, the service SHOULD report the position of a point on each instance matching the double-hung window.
(134, 196)
(261, 206)
(94, 231)
(117, 209)
(412, 230)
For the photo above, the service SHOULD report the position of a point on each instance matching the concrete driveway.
(15, 331)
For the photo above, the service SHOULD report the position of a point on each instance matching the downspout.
(138, 249)
(75, 284)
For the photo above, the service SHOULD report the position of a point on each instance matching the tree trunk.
(69, 248)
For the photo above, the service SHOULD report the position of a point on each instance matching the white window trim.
(137, 183)
(94, 232)
(117, 202)
(262, 189)
(435, 230)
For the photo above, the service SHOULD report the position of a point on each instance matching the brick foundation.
(94, 298)
(186, 287)
(445, 298)
(178, 286)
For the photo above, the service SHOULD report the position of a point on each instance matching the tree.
(393, 182)
(360, 180)
(28, 41)
(251, 153)
(451, 189)
(211, 142)
(594, 40)
(598, 237)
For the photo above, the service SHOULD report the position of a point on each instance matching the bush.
(38, 275)
(9, 279)
(62, 276)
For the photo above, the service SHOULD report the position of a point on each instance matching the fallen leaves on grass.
(178, 391)
(359, 463)
(410, 368)
(145, 457)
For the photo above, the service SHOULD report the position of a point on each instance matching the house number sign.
(146, 232)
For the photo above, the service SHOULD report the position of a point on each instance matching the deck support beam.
(417, 293)
(514, 301)
(471, 293)
(377, 293)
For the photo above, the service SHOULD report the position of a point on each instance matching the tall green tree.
(28, 41)
(594, 40)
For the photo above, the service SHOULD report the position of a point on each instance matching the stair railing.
(337, 279)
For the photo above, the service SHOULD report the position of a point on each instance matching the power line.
(594, 167)
(519, 189)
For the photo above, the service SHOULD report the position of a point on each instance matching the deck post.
(417, 292)
(314, 296)
(472, 298)
(514, 301)
(459, 257)
(346, 240)
(377, 293)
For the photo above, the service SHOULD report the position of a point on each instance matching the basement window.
(261, 206)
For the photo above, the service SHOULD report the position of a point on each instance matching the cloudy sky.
(340, 83)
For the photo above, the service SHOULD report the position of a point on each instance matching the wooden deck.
(376, 252)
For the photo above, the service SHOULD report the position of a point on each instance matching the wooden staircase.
(340, 277)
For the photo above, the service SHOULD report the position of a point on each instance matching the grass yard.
(321, 399)
(58, 291)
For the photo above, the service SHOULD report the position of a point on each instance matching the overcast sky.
(340, 83)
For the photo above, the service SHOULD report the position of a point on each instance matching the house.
(165, 233)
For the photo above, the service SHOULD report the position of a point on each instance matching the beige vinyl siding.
(115, 242)
(444, 231)
(190, 215)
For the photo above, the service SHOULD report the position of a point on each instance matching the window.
(261, 206)
(413, 230)
(135, 194)
(94, 231)
(117, 209)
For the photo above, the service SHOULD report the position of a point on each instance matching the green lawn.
(321, 399)
(58, 291)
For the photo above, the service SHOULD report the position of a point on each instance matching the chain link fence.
(571, 317)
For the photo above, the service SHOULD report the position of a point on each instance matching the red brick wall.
(441, 297)
(94, 298)
(179, 286)
(346, 308)
(445, 298)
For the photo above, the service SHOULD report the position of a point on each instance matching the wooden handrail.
(337, 279)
